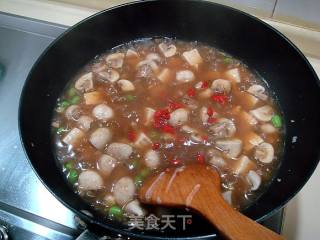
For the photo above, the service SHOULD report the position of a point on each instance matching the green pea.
(73, 176)
(115, 212)
(64, 104)
(145, 172)
(75, 100)
(72, 92)
(227, 60)
(130, 98)
(60, 130)
(276, 121)
(69, 165)
(138, 180)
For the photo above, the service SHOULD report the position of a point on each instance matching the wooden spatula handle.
(233, 225)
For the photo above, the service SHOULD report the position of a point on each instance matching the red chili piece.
(160, 118)
(168, 129)
(191, 92)
(155, 146)
(174, 106)
(132, 135)
(210, 111)
(200, 158)
(211, 120)
(219, 98)
(205, 138)
(204, 84)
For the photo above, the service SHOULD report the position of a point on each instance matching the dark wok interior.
(260, 47)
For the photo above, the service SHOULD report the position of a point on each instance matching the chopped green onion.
(75, 100)
(73, 176)
(130, 97)
(69, 165)
(145, 172)
(276, 121)
(115, 212)
(138, 180)
(154, 135)
(227, 60)
(64, 104)
(72, 92)
(60, 130)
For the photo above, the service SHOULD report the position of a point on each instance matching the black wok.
(264, 49)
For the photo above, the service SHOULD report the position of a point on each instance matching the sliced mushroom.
(215, 158)
(243, 165)
(179, 117)
(168, 50)
(152, 159)
(268, 128)
(84, 83)
(184, 76)
(134, 208)
(254, 180)
(126, 85)
(153, 57)
(103, 112)
(84, 122)
(90, 180)
(106, 164)
(73, 137)
(263, 114)
(148, 116)
(264, 153)
(223, 128)
(233, 75)
(142, 140)
(131, 54)
(165, 75)
(192, 57)
(115, 60)
(247, 118)
(188, 129)
(109, 75)
(73, 112)
(231, 147)
(221, 86)
(196, 137)
(251, 139)
(93, 98)
(120, 151)
(258, 91)
(100, 137)
(227, 196)
(204, 115)
(150, 63)
(124, 190)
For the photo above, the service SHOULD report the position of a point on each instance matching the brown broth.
(173, 149)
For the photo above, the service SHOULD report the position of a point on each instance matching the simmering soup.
(157, 103)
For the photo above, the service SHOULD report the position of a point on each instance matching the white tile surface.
(301, 12)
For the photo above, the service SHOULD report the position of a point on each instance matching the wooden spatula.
(198, 187)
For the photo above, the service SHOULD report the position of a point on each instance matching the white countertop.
(302, 213)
